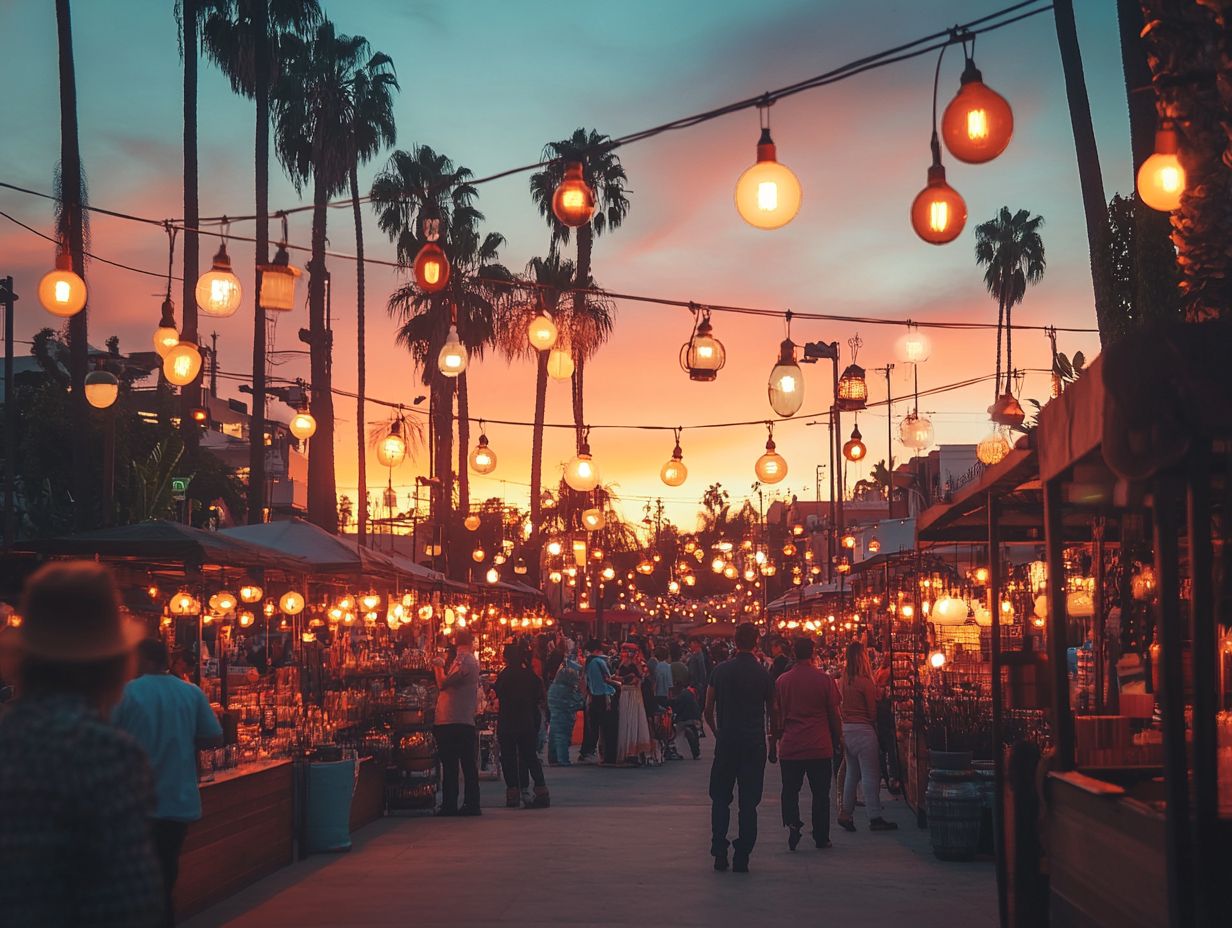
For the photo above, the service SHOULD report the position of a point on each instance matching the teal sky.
(489, 82)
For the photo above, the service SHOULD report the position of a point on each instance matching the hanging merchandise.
(771, 467)
(703, 355)
(768, 193)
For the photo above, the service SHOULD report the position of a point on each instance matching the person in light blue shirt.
(604, 706)
(171, 720)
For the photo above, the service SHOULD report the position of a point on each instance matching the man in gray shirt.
(457, 744)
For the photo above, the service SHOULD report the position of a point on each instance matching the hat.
(71, 614)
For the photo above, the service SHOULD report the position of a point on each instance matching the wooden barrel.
(954, 805)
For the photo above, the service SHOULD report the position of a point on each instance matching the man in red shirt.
(807, 728)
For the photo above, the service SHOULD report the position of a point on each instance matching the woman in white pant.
(860, 741)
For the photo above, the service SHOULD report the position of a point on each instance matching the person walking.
(807, 729)
(564, 700)
(698, 663)
(519, 691)
(75, 791)
(780, 660)
(457, 701)
(601, 685)
(171, 720)
(859, 712)
(738, 702)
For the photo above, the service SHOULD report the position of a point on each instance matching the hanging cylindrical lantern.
(916, 432)
(914, 347)
(573, 203)
(278, 282)
(768, 193)
(391, 450)
(978, 122)
(852, 389)
(1161, 179)
(431, 268)
(218, 289)
(938, 213)
(61, 291)
(854, 448)
(581, 473)
(542, 332)
(560, 363)
(703, 355)
(102, 388)
(483, 458)
(992, 448)
(771, 467)
(786, 385)
(452, 359)
(182, 363)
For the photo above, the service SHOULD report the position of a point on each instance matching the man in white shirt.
(457, 701)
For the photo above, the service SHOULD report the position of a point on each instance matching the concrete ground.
(618, 847)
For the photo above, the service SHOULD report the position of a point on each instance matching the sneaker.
(512, 798)
(586, 759)
(880, 824)
(740, 863)
(793, 837)
(720, 862)
(847, 824)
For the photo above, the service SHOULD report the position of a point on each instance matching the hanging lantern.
(703, 355)
(608, 572)
(483, 458)
(471, 522)
(251, 593)
(560, 363)
(581, 473)
(542, 332)
(278, 282)
(223, 601)
(519, 567)
(938, 213)
(391, 450)
(992, 448)
(852, 389)
(873, 546)
(949, 610)
(916, 432)
(1161, 179)
(479, 555)
(183, 603)
(102, 388)
(452, 359)
(854, 448)
(61, 291)
(166, 336)
(914, 347)
(218, 289)
(645, 566)
(848, 541)
(674, 473)
(493, 576)
(554, 547)
(771, 466)
(768, 193)
(182, 363)
(1007, 411)
(1079, 604)
(730, 572)
(292, 603)
(246, 618)
(978, 122)
(303, 426)
(936, 660)
(573, 203)
(786, 386)
(431, 268)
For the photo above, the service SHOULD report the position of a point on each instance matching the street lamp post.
(7, 299)
(814, 352)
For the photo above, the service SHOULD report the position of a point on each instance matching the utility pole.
(7, 299)
(889, 441)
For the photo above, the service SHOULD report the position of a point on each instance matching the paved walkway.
(622, 847)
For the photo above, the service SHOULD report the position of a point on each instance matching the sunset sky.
(488, 83)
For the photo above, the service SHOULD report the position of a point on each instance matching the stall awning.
(173, 544)
(711, 629)
(324, 552)
(610, 616)
(1014, 481)
(1071, 426)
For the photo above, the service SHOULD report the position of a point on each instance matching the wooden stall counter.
(246, 832)
(1106, 855)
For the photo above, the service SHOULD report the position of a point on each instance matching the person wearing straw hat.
(75, 792)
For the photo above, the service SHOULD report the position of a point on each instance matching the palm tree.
(1012, 253)
(245, 38)
(372, 128)
(71, 225)
(606, 176)
(414, 185)
(312, 131)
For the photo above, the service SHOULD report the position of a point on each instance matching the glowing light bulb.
(1161, 179)
(61, 291)
(767, 193)
(452, 359)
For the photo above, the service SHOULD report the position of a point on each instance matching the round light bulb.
(674, 473)
(1161, 179)
(452, 359)
(938, 213)
(542, 332)
(581, 473)
(292, 603)
(771, 467)
(391, 450)
(560, 364)
(483, 458)
(978, 122)
(303, 426)
(182, 364)
(61, 291)
(102, 389)
(431, 268)
(218, 289)
(767, 193)
(914, 347)
(573, 203)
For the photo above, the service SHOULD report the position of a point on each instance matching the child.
(688, 716)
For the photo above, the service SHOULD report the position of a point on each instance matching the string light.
(573, 203)
(674, 473)
(978, 122)
(581, 473)
(542, 332)
(102, 388)
(771, 467)
(914, 347)
(182, 363)
(560, 363)
(703, 355)
(767, 193)
(61, 291)
(452, 360)
(1161, 179)
(391, 450)
(854, 448)
(303, 425)
(483, 458)
(218, 289)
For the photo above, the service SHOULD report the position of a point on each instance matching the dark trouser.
(740, 766)
(458, 745)
(590, 734)
(605, 722)
(168, 840)
(519, 759)
(818, 773)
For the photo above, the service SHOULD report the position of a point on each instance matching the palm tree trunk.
(578, 384)
(256, 423)
(464, 443)
(1192, 71)
(581, 278)
(361, 370)
(1090, 178)
(536, 461)
(190, 395)
(322, 494)
(442, 396)
(71, 207)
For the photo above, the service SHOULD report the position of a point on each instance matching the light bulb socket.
(971, 74)
(936, 174)
(168, 317)
(1167, 142)
(769, 444)
(222, 260)
(281, 257)
(787, 351)
(855, 434)
(766, 149)
(483, 440)
(677, 454)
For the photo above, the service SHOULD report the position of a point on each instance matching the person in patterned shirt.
(75, 792)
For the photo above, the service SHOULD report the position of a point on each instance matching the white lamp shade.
(560, 364)
(452, 359)
(102, 389)
(581, 473)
